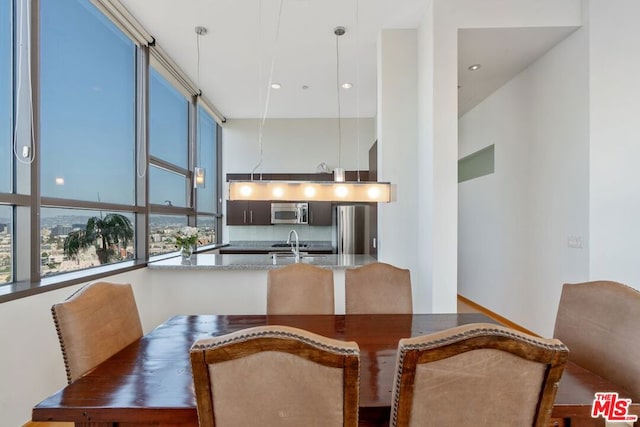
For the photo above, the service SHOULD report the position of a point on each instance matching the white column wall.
(615, 140)
(397, 146)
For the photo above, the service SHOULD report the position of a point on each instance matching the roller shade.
(120, 16)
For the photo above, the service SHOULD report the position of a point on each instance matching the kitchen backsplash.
(278, 232)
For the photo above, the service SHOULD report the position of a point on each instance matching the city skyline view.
(55, 228)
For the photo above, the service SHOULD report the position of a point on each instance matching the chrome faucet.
(296, 249)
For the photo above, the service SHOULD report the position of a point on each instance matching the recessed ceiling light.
(275, 86)
(305, 87)
(474, 67)
(347, 85)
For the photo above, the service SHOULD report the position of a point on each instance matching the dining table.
(149, 382)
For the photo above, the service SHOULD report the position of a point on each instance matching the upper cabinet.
(243, 212)
(320, 213)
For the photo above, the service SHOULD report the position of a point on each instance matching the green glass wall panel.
(477, 164)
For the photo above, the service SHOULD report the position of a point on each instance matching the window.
(87, 105)
(162, 230)
(168, 143)
(91, 151)
(207, 158)
(6, 96)
(207, 197)
(6, 245)
(169, 172)
(87, 122)
(168, 121)
(74, 239)
(6, 139)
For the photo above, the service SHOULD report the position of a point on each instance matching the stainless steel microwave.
(289, 213)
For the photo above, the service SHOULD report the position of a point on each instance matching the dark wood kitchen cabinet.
(243, 212)
(320, 213)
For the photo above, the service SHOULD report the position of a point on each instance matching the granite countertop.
(258, 262)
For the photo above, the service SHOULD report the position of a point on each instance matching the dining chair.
(94, 323)
(599, 322)
(300, 289)
(378, 288)
(476, 375)
(272, 376)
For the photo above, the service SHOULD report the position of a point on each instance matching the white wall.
(514, 225)
(437, 110)
(296, 145)
(397, 160)
(615, 140)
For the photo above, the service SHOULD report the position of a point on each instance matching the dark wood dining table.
(149, 382)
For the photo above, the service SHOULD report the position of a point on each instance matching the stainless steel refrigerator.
(351, 229)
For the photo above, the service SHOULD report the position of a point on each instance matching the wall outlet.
(574, 242)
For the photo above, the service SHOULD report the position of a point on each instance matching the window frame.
(26, 201)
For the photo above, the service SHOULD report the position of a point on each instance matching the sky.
(5, 98)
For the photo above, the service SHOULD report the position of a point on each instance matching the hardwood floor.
(467, 306)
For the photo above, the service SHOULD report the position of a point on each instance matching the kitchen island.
(229, 283)
(259, 261)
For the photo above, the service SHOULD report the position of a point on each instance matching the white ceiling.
(502, 54)
(237, 52)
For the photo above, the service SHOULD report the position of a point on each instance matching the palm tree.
(105, 233)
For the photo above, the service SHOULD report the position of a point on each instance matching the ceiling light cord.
(338, 34)
(357, 90)
(199, 31)
(266, 105)
(24, 29)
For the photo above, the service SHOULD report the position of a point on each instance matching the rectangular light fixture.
(322, 191)
(198, 180)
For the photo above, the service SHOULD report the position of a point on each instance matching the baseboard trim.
(495, 316)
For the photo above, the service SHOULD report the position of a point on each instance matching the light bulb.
(245, 190)
(309, 191)
(373, 192)
(341, 191)
(278, 192)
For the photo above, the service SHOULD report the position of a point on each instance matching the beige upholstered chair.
(476, 375)
(300, 289)
(600, 323)
(378, 288)
(94, 323)
(272, 376)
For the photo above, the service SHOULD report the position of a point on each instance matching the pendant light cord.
(273, 61)
(24, 28)
(199, 32)
(357, 90)
(338, 98)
